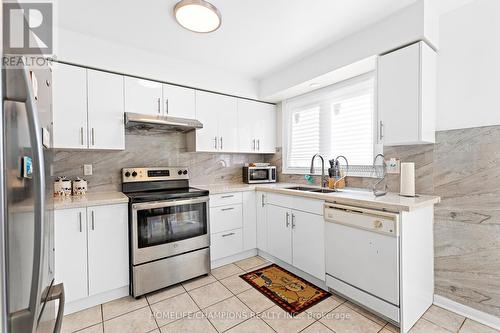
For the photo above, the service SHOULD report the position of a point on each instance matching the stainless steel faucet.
(345, 174)
(324, 180)
(374, 188)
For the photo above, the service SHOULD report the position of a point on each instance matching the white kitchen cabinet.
(70, 242)
(308, 243)
(142, 96)
(295, 229)
(226, 218)
(256, 127)
(261, 212)
(249, 221)
(107, 248)
(69, 94)
(105, 110)
(219, 116)
(407, 95)
(178, 101)
(91, 250)
(280, 231)
(226, 243)
(88, 108)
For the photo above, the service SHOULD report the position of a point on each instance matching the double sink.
(311, 189)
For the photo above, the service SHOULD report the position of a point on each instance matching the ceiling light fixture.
(197, 15)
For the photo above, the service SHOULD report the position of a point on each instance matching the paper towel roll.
(407, 187)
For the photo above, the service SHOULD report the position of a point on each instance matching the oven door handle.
(168, 203)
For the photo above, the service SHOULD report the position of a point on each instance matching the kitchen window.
(337, 120)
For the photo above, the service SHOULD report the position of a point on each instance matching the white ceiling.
(257, 37)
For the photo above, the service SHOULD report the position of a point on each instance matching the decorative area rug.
(285, 289)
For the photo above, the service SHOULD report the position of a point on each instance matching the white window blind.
(336, 120)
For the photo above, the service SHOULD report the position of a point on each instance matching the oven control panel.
(153, 174)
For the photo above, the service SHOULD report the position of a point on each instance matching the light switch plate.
(393, 166)
(87, 169)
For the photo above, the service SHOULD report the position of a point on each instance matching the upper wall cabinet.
(219, 116)
(178, 101)
(87, 109)
(105, 110)
(142, 96)
(69, 108)
(256, 127)
(407, 95)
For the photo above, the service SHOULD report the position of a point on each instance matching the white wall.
(469, 66)
(85, 50)
(413, 23)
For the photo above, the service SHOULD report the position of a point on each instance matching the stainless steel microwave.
(255, 175)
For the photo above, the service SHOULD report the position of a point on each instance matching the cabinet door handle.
(221, 142)
(381, 130)
(226, 209)
(229, 234)
(227, 196)
(263, 203)
(293, 221)
(159, 105)
(93, 137)
(258, 144)
(81, 135)
(254, 144)
(93, 221)
(166, 106)
(287, 219)
(215, 142)
(80, 220)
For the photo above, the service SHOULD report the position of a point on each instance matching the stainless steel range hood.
(161, 123)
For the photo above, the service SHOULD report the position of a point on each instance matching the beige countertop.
(348, 196)
(90, 199)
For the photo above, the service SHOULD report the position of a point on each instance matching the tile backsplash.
(144, 149)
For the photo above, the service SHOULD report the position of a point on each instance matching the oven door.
(162, 229)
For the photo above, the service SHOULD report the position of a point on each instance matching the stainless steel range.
(168, 227)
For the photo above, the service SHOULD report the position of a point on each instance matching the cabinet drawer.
(225, 218)
(225, 199)
(224, 244)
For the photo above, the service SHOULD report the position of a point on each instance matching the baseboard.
(233, 258)
(94, 300)
(468, 312)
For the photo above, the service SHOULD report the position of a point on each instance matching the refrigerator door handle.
(19, 89)
(57, 293)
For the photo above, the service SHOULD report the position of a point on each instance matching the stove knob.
(134, 174)
(179, 172)
(127, 174)
(185, 172)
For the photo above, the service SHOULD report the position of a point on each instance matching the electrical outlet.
(87, 169)
(393, 166)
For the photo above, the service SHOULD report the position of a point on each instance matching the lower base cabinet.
(308, 243)
(225, 244)
(280, 232)
(297, 238)
(91, 249)
(70, 243)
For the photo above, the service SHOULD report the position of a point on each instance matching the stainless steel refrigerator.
(31, 302)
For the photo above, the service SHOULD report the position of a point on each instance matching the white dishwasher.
(362, 256)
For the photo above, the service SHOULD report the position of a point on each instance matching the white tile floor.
(223, 302)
